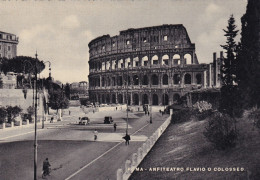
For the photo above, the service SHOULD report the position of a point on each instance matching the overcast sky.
(61, 30)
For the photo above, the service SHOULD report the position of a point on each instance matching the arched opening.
(108, 65)
(155, 80)
(136, 99)
(187, 79)
(108, 81)
(176, 59)
(114, 64)
(113, 81)
(136, 62)
(129, 80)
(145, 99)
(176, 98)
(120, 81)
(113, 98)
(103, 81)
(120, 98)
(165, 79)
(176, 79)
(187, 57)
(103, 98)
(127, 63)
(155, 99)
(128, 99)
(155, 60)
(198, 78)
(165, 60)
(120, 63)
(145, 80)
(103, 66)
(145, 61)
(108, 98)
(165, 99)
(136, 80)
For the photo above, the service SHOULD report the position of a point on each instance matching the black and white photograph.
(129, 89)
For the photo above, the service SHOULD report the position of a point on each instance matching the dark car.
(108, 120)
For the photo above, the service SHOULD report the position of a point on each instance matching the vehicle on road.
(108, 120)
(84, 121)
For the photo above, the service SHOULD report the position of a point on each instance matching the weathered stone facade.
(8, 45)
(153, 65)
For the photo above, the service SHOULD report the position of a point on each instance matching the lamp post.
(35, 122)
(151, 116)
(127, 100)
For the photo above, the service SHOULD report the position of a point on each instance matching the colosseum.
(152, 65)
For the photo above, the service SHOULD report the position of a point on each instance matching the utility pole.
(35, 122)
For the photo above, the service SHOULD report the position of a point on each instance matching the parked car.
(108, 120)
(84, 121)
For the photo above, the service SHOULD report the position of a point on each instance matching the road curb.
(132, 163)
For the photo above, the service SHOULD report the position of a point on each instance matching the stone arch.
(113, 64)
(165, 79)
(113, 98)
(155, 79)
(145, 99)
(176, 98)
(187, 79)
(165, 60)
(107, 65)
(176, 59)
(176, 79)
(127, 62)
(136, 62)
(155, 60)
(120, 98)
(120, 63)
(135, 80)
(165, 99)
(103, 66)
(198, 78)
(187, 57)
(107, 98)
(145, 61)
(135, 99)
(155, 99)
(129, 99)
(120, 81)
(145, 80)
(103, 81)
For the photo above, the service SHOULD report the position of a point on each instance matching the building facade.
(153, 65)
(8, 45)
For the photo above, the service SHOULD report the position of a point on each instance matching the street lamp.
(35, 122)
(127, 100)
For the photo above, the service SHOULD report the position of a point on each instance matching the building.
(8, 81)
(152, 65)
(8, 45)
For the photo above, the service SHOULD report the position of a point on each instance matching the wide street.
(71, 148)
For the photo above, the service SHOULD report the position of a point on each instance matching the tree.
(249, 56)
(67, 90)
(3, 114)
(229, 94)
(58, 100)
(13, 112)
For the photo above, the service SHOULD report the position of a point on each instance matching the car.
(84, 121)
(108, 120)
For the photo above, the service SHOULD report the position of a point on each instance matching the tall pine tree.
(249, 56)
(229, 97)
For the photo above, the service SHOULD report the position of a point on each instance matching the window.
(144, 39)
(9, 48)
(113, 44)
(127, 42)
(0, 47)
(1, 36)
(165, 38)
(0, 55)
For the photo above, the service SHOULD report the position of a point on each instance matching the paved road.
(71, 149)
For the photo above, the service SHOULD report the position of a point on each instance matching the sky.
(60, 30)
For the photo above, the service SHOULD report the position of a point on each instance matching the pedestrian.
(69, 112)
(93, 111)
(51, 119)
(95, 134)
(127, 139)
(116, 108)
(138, 109)
(148, 113)
(115, 126)
(45, 166)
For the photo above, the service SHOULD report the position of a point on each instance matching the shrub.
(181, 115)
(221, 131)
(3, 115)
(203, 109)
(255, 116)
(204, 114)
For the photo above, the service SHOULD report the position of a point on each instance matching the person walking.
(127, 139)
(45, 167)
(95, 135)
(115, 125)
